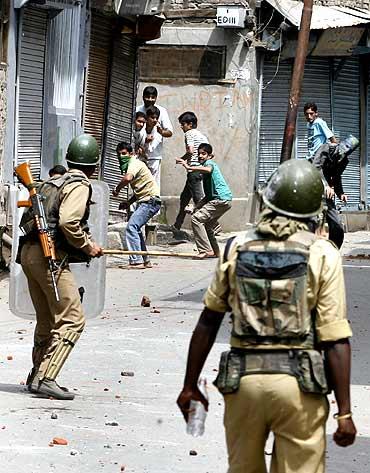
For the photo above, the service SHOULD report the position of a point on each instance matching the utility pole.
(297, 78)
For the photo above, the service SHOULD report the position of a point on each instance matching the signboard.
(231, 17)
(338, 41)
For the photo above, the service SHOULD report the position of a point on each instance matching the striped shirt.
(194, 138)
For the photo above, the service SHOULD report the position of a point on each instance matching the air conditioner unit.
(138, 7)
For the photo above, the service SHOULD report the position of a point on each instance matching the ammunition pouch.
(307, 366)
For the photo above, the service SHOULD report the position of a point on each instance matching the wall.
(199, 4)
(227, 114)
(2, 138)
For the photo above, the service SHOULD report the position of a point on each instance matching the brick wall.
(202, 4)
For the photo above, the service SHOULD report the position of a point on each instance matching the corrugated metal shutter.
(346, 120)
(97, 77)
(316, 88)
(122, 93)
(275, 94)
(31, 87)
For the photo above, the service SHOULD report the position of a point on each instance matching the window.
(4, 21)
(184, 64)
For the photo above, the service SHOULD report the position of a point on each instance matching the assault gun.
(24, 174)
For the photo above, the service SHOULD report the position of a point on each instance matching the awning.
(322, 17)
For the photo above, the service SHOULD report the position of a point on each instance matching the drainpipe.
(297, 78)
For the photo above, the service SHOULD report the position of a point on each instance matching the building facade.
(200, 67)
(68, 67)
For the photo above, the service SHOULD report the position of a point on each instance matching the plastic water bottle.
(198, 413)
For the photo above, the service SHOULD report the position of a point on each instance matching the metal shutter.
(122, 94)
(97, 77)
(316, 88)
(31, 87)
(346, 120)
(274, 104)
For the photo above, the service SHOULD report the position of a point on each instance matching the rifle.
(24, 174)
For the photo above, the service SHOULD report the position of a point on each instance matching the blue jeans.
(134, 237)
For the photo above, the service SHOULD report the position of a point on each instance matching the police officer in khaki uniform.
(59, 324)
(284, 286)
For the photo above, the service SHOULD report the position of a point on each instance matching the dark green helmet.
(83, 150)
(295, 189)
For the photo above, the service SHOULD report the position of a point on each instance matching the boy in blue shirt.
(215, 203)
(318, 132)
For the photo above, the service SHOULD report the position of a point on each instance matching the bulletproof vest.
(51, 194)
(271, 291)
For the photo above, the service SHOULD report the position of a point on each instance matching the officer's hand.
(329, 192)
(344, 198)
(186, 395)
(115, 193)
(346, 433)
(95, 251)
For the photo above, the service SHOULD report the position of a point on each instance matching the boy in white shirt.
(153, 143)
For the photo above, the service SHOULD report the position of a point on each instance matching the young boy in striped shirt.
(193, 188)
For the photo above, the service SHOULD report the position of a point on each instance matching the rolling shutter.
(275, 95)
(346, 120)
(122, 92)
(97, 77)
(31, 87)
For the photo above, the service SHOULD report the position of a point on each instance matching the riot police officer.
(59, 324)
(284, 286)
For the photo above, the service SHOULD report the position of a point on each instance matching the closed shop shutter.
(275, 95)
(122, 92)
(97, 77)
(346, 120)
(31, 87)
(316, 88)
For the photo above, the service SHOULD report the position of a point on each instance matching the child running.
(216, 202)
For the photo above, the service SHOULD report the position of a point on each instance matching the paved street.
(131, 423)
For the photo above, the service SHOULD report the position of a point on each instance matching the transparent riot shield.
(90, 277)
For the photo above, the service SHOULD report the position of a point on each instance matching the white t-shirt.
(153, 149)
(164, 120)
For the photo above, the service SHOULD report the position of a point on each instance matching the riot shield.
(90, 277)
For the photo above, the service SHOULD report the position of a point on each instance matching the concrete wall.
(3, 109)
(227, 114)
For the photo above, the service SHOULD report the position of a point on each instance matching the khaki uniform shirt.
(143, 183)
(72, 208)
(326, 292)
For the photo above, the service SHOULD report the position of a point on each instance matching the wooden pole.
(297, 78)
(149, 253)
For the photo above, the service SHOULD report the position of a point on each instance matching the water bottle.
(198, 413)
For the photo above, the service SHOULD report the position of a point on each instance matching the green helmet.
(83, 150)
(295, 189)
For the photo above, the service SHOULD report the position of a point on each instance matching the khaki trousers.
(203, 222)
(53, 318)
(274, 403)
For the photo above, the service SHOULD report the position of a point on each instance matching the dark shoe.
(50, 388)
(148, 265)
(30, 378)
